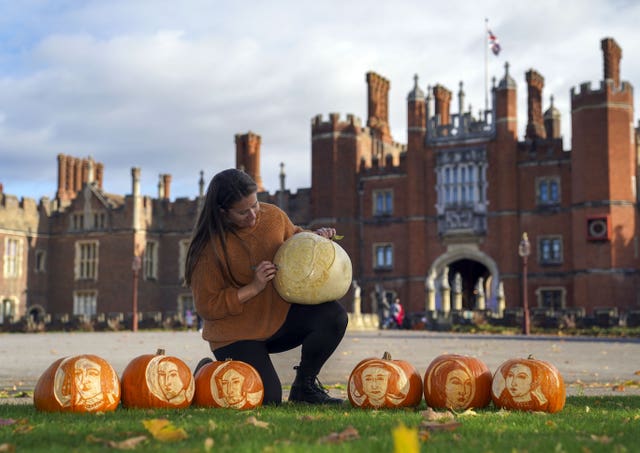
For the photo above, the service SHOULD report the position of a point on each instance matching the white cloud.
(166, 85)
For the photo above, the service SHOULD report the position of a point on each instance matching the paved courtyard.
(588, 365)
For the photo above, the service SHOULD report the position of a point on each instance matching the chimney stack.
(612, 54)
(535, 123)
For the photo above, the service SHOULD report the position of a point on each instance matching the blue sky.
(166, 85)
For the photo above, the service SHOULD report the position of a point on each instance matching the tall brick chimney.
(612, 54)
(443, 103)
(378, 106)
(535, 123)
(248, 156)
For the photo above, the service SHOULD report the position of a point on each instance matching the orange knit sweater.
(216, 299)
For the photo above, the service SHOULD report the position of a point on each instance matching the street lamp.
(524, 250)
(135, 267)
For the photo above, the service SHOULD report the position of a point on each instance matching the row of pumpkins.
(88, 383)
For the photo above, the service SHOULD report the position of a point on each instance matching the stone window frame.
(553, 289)
(551, 239)
(150, 260)
(87, 260)
(12, 257)
(545, 182)
(385, 251)
(386, 197)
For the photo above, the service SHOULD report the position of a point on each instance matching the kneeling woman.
(229, 269)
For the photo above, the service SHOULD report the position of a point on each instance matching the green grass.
(587, 424)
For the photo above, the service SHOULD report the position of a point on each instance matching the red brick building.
(436, 221)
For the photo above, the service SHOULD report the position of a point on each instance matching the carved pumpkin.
(157, 381)
(228, 383)
(82, 383)
(384, 383)
(457, 382)
(311, 269)
(528, 385)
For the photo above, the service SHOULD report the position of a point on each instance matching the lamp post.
(135, 267)
(524, 250)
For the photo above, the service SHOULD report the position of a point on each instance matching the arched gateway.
(477, 284)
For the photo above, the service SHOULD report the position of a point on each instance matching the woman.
(229, 269)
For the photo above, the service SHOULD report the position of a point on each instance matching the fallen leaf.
(212, 425)
(7, 448)
(405, 440)
(348, 434)
(551, 424)
(127, 444)
(208, 444)
(437, 426)
(468, 413)
(618, 388)
(163, 430)
(601, 439)
(255, 422)
(432, 415)
(637, 373)
(587, 409)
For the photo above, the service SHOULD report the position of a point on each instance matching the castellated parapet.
(334, 125)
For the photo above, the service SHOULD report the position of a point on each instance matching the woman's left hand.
(326, 232)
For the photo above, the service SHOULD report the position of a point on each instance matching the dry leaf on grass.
(468, 413)
(637, 373)
(162, 430)
(10, 448)
(208, 444)
(348, 434)
(618, 388)
(601, 439)
(440, 426)
(432, 416)
(127, 444)
(255, 422)
(405, 440)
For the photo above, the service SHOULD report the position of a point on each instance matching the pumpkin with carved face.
(157, 381)
(82, 383)
(229, 383)
(311, 269)
(457, 382)
(528, 385)
(384, 383)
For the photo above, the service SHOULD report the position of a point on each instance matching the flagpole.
(486, 65)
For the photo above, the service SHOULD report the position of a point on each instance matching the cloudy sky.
(166, 85)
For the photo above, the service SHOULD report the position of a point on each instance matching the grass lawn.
(586, 424)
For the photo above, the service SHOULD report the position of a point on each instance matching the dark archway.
(470, 271)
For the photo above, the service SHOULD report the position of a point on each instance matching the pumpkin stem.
(386, 355)
(160, 352)
(531, 357)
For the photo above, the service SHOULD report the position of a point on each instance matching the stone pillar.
(445, 289)
(480, 300)
(457, 292)
(501, 301)
(430, 288)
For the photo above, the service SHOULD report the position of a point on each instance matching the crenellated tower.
(604, 168)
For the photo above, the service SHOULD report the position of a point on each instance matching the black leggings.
(318, 328)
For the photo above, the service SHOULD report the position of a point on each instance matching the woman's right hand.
(263, 273)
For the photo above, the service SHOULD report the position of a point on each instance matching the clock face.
(598, 229)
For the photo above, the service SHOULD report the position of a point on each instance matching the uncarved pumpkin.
(82, 383)
(229, 383)
(384, 383)
(157, 381)
(457, 382)
(528, 385)
(311, 269)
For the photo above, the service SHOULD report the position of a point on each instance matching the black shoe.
(202, 363)
(308, 389)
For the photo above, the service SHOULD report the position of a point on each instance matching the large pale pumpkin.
(528, 385)
(311, 269)
(457, 382)
(157, 381)
(384, 383)
(229, 383)
(82, 383)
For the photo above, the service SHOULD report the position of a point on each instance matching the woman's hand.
(326, 232)
(263, 273)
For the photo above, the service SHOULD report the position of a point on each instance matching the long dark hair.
(225, 189)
